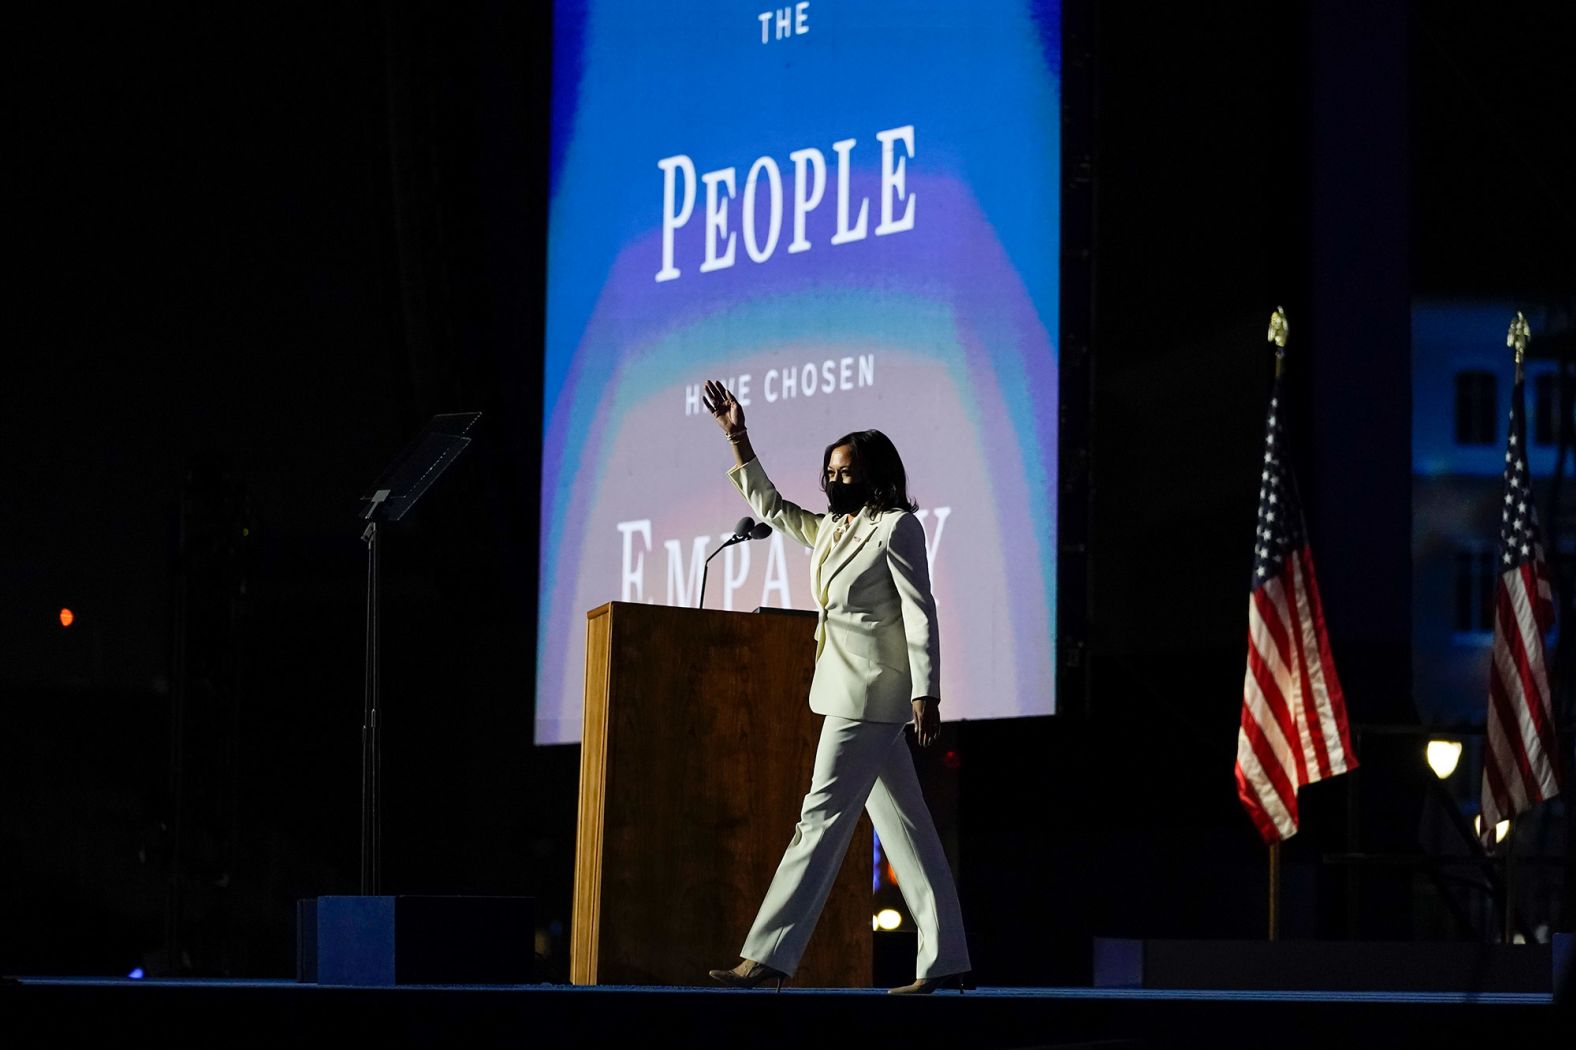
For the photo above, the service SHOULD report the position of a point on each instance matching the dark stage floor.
(74, 1011)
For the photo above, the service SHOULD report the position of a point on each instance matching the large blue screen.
(849, 211)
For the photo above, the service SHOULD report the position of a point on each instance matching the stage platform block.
(1331, 966)
(380, 941)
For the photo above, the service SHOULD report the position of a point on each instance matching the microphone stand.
(737, 537)
(744, 530)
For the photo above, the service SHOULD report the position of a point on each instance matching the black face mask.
(848, 497)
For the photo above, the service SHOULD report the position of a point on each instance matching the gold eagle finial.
(1518, 336)
(1277, 332)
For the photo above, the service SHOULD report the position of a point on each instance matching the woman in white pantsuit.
(876, 669)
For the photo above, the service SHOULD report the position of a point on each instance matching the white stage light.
(1443, 756)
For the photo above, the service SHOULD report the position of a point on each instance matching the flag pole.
(1275, 850)
(1277, 336)
(1516, 338)
(1508, 930)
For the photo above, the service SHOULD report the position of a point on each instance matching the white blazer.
(876, 644)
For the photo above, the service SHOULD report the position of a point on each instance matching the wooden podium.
(696, 754)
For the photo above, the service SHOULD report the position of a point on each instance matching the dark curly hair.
(876, 459)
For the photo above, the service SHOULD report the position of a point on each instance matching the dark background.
(259, 245)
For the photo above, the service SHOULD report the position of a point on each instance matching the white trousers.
(861, 764)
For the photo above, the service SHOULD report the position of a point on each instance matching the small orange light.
(67, 617)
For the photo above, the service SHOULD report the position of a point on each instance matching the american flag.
(1293, 729)
(1519, 761)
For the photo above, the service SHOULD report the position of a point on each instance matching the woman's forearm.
(742, 452)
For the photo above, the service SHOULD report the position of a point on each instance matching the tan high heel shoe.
(748, 974)
(929, 985)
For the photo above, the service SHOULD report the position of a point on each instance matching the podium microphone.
(745, 529)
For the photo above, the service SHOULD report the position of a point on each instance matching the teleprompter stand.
(391, 497)
(374, 940)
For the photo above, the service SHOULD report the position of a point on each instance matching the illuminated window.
(1476, 579)
(1476, 415)
(1545, 409)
